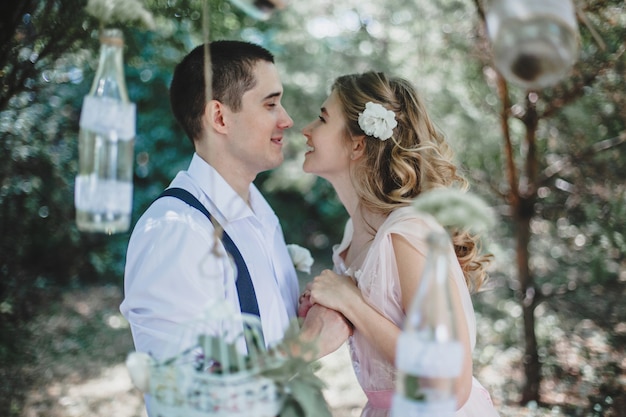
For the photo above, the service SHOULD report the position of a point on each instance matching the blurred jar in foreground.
(429, 355)
(104, 188)
(535, 42)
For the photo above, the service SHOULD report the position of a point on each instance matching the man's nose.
(285, 121)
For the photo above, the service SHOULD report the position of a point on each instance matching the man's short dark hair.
(232, 64)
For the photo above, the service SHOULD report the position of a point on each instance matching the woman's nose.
(306, 130)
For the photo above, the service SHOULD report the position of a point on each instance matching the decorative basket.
(180, 392)
(224, 370)
(213, 378)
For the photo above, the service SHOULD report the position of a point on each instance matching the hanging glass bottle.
(535, 42)
(104, 188)
(429, 355)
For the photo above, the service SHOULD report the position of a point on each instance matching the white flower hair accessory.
(377, 121)
(301, 258)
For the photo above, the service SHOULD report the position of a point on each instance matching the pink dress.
(379, 283)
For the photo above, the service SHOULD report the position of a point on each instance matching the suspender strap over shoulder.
(245, 289)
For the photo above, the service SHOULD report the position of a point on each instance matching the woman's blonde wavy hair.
(415, 159)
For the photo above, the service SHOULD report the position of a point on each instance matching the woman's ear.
(214, 117)
(358, 147)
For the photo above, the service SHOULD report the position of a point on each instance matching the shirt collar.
(230, 205)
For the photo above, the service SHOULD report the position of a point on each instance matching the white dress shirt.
(172, 276)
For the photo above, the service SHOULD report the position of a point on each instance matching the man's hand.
(304, 304)
(328, 327)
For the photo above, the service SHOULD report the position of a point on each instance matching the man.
(176, 263)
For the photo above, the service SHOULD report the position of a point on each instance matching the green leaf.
(306, 392)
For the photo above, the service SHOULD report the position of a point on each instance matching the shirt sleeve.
(173, 272)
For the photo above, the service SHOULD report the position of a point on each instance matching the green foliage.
(40, 249)
(296, 377)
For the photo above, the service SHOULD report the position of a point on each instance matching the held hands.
(318, 305)
(327, 327)
(320, 282)
(332, 290)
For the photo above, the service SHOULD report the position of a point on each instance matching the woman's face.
(328, 151)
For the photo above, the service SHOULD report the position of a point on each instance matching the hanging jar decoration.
(104, 187)
(260, 9)
(535, 42)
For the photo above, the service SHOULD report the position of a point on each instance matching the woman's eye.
(321, 119)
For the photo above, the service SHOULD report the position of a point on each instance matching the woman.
(374, 142)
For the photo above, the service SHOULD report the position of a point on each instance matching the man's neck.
(234, 176)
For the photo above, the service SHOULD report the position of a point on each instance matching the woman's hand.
(332, 290)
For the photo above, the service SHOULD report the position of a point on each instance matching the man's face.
(256, 131)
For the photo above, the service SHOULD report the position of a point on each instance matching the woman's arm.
(341, 293)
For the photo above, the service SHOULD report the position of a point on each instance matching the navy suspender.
(245, 289)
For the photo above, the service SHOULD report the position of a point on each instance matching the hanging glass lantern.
(260, 9)
(535, 42)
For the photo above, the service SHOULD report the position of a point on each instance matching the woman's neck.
(365, 225)
(365, 222)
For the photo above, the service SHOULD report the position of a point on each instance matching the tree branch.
(503, 92)
(553, 169)
(480, 10)
(566, 97)
(54, 38)
(531, 122)
(577, 90)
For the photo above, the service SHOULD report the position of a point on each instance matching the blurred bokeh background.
(552, 320)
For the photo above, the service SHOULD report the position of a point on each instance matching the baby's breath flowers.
(454, 208)
(109, 12)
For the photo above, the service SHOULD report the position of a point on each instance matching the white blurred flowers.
(457, 209)
(301, 258)
(377, 121)
(138, 365)
(110, 11)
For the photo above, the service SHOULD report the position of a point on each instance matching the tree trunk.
(521, 196)
(528, 294)
(527, 299)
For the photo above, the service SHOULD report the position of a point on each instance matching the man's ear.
(358, 147)
(214, 119)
